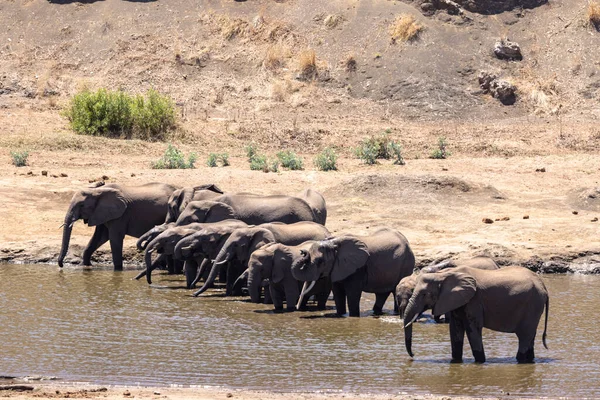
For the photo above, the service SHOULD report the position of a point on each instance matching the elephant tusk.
(61, 226)
(219, 263)
(305, 290)
(186, 248)
(411, 322)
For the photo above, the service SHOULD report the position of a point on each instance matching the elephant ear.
(456, 290)
(261, 237)
(110, 205)
(282, 260)
(211, 186)
(178, 200)
(219, 212)
(351, 254)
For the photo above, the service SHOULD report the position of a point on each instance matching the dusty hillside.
(234, 71)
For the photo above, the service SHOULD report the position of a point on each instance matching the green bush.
(251, 151)
(290, 160)
(214, 158)
(379, 147)
(326, 160)
(259, 163)
(174, 159)
(274, 166)
(118, 114)
(19, 158)
(442, 151)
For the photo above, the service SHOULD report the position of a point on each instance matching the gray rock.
(504, 91)
(504, 49)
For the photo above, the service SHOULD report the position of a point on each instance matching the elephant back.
(257, 210)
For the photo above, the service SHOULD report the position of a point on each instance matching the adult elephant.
(510, 299)
(115, 211)
(356, 264)
(243, 242)
(165, 242)
(316, 201)
(274, 262)
(405, 288)
(182, 197)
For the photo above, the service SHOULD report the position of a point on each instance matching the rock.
(575, 212)
(127, 393)
(525, 216)
(44, 173)
(105, 178)
(30, 173)
(132, 174)
(543, 169)
(595, 219)
(485, 80)
(505, 219)
(16, 388)
(487, 221)
(63, 175)
(504, 91)
(504, 49)
(54, 176)
(427, 8)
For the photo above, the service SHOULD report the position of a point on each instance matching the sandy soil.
(112, 393)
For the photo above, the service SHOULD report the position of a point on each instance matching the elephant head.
(206, 242)
(164, 244)
(240, 243)
(147, 237)
(182, 197)
(95, 206)
(270, 262)
(205, 211)
(337, 258)
(442, 292)
(404, 291)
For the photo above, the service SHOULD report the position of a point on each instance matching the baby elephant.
(405, 288)
(510, 299)
(274, 262)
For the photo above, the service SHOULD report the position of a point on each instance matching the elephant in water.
(510, 299)
(274, 262)
(405, 288)
(244, 241)
(356, 264)
(115, 211)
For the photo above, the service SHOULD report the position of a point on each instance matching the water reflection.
(101, 326)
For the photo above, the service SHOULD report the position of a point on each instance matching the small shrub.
(214, 159)
(116, 114)
(350, 63)
(441, 152)
(274, 58)
(396, 151)
(273, 166)
(19, 158)
(307, 63)
(251, 151)
(405, 29)
(593, 14)
(290, 160)
(379, 147)
(174, 159)
(367, 152)
(326, 160)
(259, 163)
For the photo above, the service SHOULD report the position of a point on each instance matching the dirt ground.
(113, 393)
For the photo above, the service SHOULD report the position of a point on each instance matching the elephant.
(273, 262)
(165, 242)
(115, 211)
(243, 242)
(356, 264)
(510, 299)
(405, 288)
(201, 247)
(316, 201)
(182, 197)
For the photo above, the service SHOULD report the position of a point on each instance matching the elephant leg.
(525, 354)
(116, 247)
(268, 297)
(170, 265)
(191, 272)
(339, 296)
(99, 237)
(380, 299)
(396, 306)
(474, 334)
(178, 266)
(223, 273)
(277, 295)
(457, 338)
(353, 285)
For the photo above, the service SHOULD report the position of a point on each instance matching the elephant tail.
(546, 322)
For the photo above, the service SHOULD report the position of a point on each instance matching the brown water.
(102, 327)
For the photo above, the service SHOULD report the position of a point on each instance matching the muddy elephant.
(405, 288)
(274, 262)
(243, 242)
(115, 211)
(164, 243)
(510, 299)
(356, 264)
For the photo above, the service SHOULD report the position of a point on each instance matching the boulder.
(504, 49)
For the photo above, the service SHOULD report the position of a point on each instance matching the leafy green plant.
(273, 166)
(396, 151)
(118, 114)
(442, 151)
(379, 147)
(251, 151)
(215, 158)
(19, 158)
(174, 159)
(259, 163)
(290, 160)
(326, 160)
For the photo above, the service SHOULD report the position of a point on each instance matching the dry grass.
(405, 29)
(349, 63)
(593, 14)
(333, 20)
(274, 59)
(307, 63)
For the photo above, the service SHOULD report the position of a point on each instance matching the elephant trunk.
(254, 285)
(70, 219)
(210, 280)
(225, 254)
(410, 315)
(148, 259)
(239, 282)
(183, 249)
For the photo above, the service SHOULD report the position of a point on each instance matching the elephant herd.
(280, 245)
